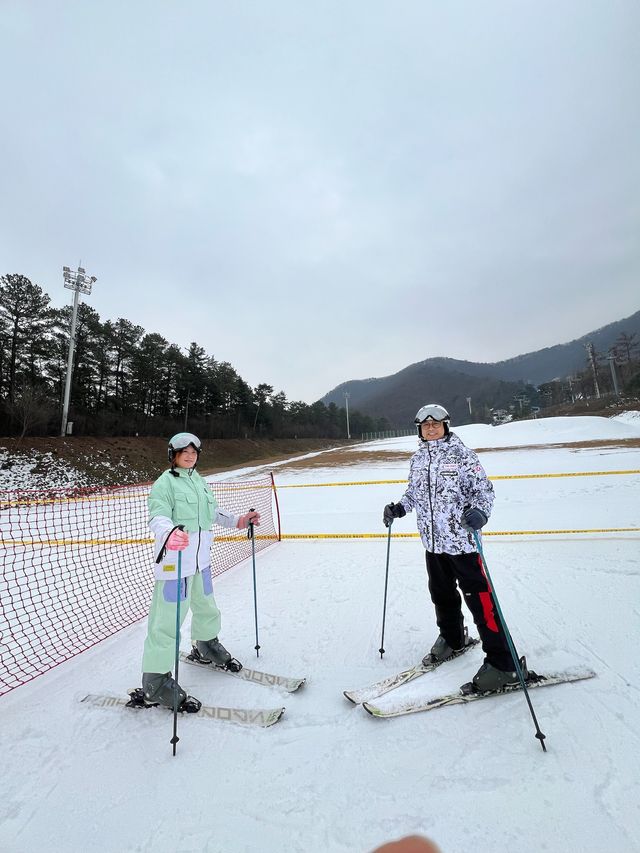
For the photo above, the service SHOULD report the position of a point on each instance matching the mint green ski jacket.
(184, 499)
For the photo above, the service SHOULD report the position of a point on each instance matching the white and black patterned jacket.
(444, 478)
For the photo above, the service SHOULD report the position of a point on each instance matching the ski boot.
(212, 651)
(159, 688)
(488, 679)
(442, 651)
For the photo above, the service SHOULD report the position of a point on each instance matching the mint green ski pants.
(196, 593)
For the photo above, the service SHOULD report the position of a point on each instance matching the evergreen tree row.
(127, 381)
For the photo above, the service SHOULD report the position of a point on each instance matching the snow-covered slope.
(328, 778)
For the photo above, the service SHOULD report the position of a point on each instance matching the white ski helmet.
(181, 441)
(434, 411)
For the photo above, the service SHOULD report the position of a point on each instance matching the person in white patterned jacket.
(453, 496)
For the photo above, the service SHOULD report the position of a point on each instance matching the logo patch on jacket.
(449, 470)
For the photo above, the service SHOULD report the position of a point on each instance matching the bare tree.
(626, 346)
(30, 408)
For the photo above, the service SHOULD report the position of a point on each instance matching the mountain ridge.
(488, 384)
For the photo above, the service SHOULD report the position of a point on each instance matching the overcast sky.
(324, 191)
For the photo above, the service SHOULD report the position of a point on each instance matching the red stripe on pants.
(487, 609)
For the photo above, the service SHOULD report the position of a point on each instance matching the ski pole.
(250, 534)
(386, 582)
(174, 740)
(510, 643)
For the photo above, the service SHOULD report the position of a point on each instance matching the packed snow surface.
(329, 778)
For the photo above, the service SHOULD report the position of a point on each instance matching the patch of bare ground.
(125, 460)
(343, 458)
(122, 460)
(349, 458)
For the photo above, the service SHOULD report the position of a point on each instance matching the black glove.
(473, 518)
(392, 511)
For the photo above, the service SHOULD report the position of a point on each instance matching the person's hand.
(409, 844)
(178, 541)
(473, 519)
(251, 517)
(392, 511)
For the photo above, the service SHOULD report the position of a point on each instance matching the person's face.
(186, 458)
(431, 430)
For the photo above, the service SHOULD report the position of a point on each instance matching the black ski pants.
(447, 572)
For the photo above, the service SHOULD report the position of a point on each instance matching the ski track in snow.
(329, 777)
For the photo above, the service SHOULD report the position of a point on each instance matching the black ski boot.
(159, 688)
(441, 650)
(212, 651)
(489, 679)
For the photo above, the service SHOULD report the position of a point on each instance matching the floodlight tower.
(79, 282)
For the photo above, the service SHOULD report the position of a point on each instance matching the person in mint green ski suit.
(181, 498)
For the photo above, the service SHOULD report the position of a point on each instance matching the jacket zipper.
(192, 484)
(433, 532)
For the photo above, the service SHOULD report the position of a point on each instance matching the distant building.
(500, 416)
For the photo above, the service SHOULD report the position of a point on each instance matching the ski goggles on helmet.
(433, 411)
(183, 440)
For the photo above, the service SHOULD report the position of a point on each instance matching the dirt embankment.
(119, 461)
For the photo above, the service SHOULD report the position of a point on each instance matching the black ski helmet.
(434, 411)
(180, 442)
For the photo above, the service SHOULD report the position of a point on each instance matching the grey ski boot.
(159, 688)
(488, 678)
(441, 650)
(212, 651)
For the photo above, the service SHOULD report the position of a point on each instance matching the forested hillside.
(588, 367)
(127, 381)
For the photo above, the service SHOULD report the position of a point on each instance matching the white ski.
(379, 688)
(417, 705)
(252, 675)
(244, 716)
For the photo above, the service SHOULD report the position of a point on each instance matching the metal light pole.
(346, 400)
(612, 365)
(594, 368)
(79, 282)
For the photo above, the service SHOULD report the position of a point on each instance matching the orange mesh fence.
(76, 566)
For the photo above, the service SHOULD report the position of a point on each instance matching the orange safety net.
(76, 566)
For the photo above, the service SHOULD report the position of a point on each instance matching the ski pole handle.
(250, 525)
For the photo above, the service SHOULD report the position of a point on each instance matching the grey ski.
(417, 705)
(264, 717)
(252, 675)
(379, 688)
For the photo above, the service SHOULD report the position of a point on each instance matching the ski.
(460, 698)
(264, 717)
(379, 688)
(252, 675)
